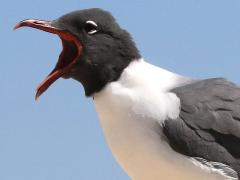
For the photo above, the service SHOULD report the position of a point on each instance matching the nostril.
(39, 23)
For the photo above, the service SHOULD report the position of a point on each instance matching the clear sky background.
(59, 137)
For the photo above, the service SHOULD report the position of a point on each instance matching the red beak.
(63, 65)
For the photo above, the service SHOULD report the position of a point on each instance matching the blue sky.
(59, 137)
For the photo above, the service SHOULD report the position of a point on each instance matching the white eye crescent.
(91, 27)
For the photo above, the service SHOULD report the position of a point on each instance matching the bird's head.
(95, 48)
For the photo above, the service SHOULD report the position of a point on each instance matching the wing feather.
(208, 126)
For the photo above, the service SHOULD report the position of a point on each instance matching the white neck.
(140, 73)
(142, 82)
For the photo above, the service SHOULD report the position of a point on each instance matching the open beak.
(72, 49)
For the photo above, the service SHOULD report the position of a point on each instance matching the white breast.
(132, 111)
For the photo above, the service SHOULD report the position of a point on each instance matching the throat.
(142, 89)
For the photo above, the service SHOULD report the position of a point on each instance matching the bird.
(159, 125)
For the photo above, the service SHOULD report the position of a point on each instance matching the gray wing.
(208, 126)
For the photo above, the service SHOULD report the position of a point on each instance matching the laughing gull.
(158, 125)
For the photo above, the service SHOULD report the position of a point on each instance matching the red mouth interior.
(72, 49)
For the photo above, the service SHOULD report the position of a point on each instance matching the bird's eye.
(91, 27)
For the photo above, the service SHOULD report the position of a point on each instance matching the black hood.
(95, 48)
